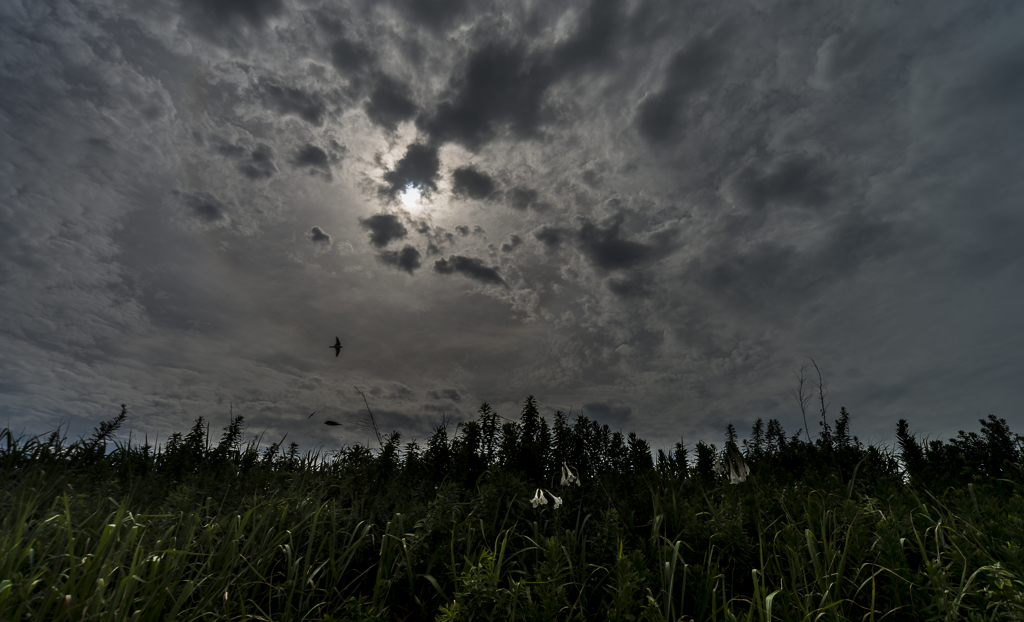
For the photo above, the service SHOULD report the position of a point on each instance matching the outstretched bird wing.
(329, 422)
(337, 342)
(311, 415)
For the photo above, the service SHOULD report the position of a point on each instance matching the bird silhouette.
(336, 346)
(329, 422)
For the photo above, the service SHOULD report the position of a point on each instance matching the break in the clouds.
(647, 212)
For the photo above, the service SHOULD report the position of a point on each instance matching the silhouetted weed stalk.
(514, 520)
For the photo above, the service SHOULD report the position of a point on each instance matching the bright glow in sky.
(647, 212)
(411, 198)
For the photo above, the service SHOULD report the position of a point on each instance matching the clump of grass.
(799, 530)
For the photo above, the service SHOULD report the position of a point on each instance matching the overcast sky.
(648, 212)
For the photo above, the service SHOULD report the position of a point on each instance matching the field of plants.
(529, 518)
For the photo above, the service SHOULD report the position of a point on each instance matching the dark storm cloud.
(260, 164)
(793, 179)
(500, 86)
(384, 228)
(311, 156)
(228, 12)
(780, 274)
(842, 55)
(407, 259)
(605, 247)
(445, 394)
(630, 286)
(503, 84)
(351, 58)
(286, 100)
(318, 236)
(514, 242)
(390, 103)
(660, 116)
(468, 266)
(229, 150)
(435, 14)
(467, 181)
(418, 167)
(607, 414)
(521, 198)
(205, 206)
(551, 237)
(594, 39)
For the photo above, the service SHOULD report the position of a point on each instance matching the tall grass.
(104, 530)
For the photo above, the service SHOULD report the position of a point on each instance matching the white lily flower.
(568, 477)
(539, 499)
(738, 469)
(557, 500)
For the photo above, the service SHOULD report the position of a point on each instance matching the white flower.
(557, 500)
(568, 477)
(738, 469)
(539, 499)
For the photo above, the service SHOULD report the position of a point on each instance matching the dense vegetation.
(498, 519)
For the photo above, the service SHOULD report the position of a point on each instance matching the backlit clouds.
(646, 211)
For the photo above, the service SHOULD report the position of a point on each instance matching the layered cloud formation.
(647, 212)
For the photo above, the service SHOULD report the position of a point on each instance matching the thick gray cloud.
(260, 164)
(418, 168)
(614, 416)
(390, 103)
(512, 243)
(521, 198)
(551, 237)
(501, 86)
(289, 100)
(407, 259)
(384, 228)
(676, 204)
(794, 179)
(471, 267)
(446, 394)
(475, 184)
(634, 285)
(662, 116)
(314, 159)
(205, 206)
(319, 236)
(604, 245)
(226, 12)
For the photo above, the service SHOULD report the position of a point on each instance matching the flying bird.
(311, 415)
(336, 346)
(329, 422)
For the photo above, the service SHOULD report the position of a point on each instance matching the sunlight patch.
(411, 198)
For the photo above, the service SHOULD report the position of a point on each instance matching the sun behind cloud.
(412, 199)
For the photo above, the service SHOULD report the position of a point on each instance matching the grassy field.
(773, 527)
